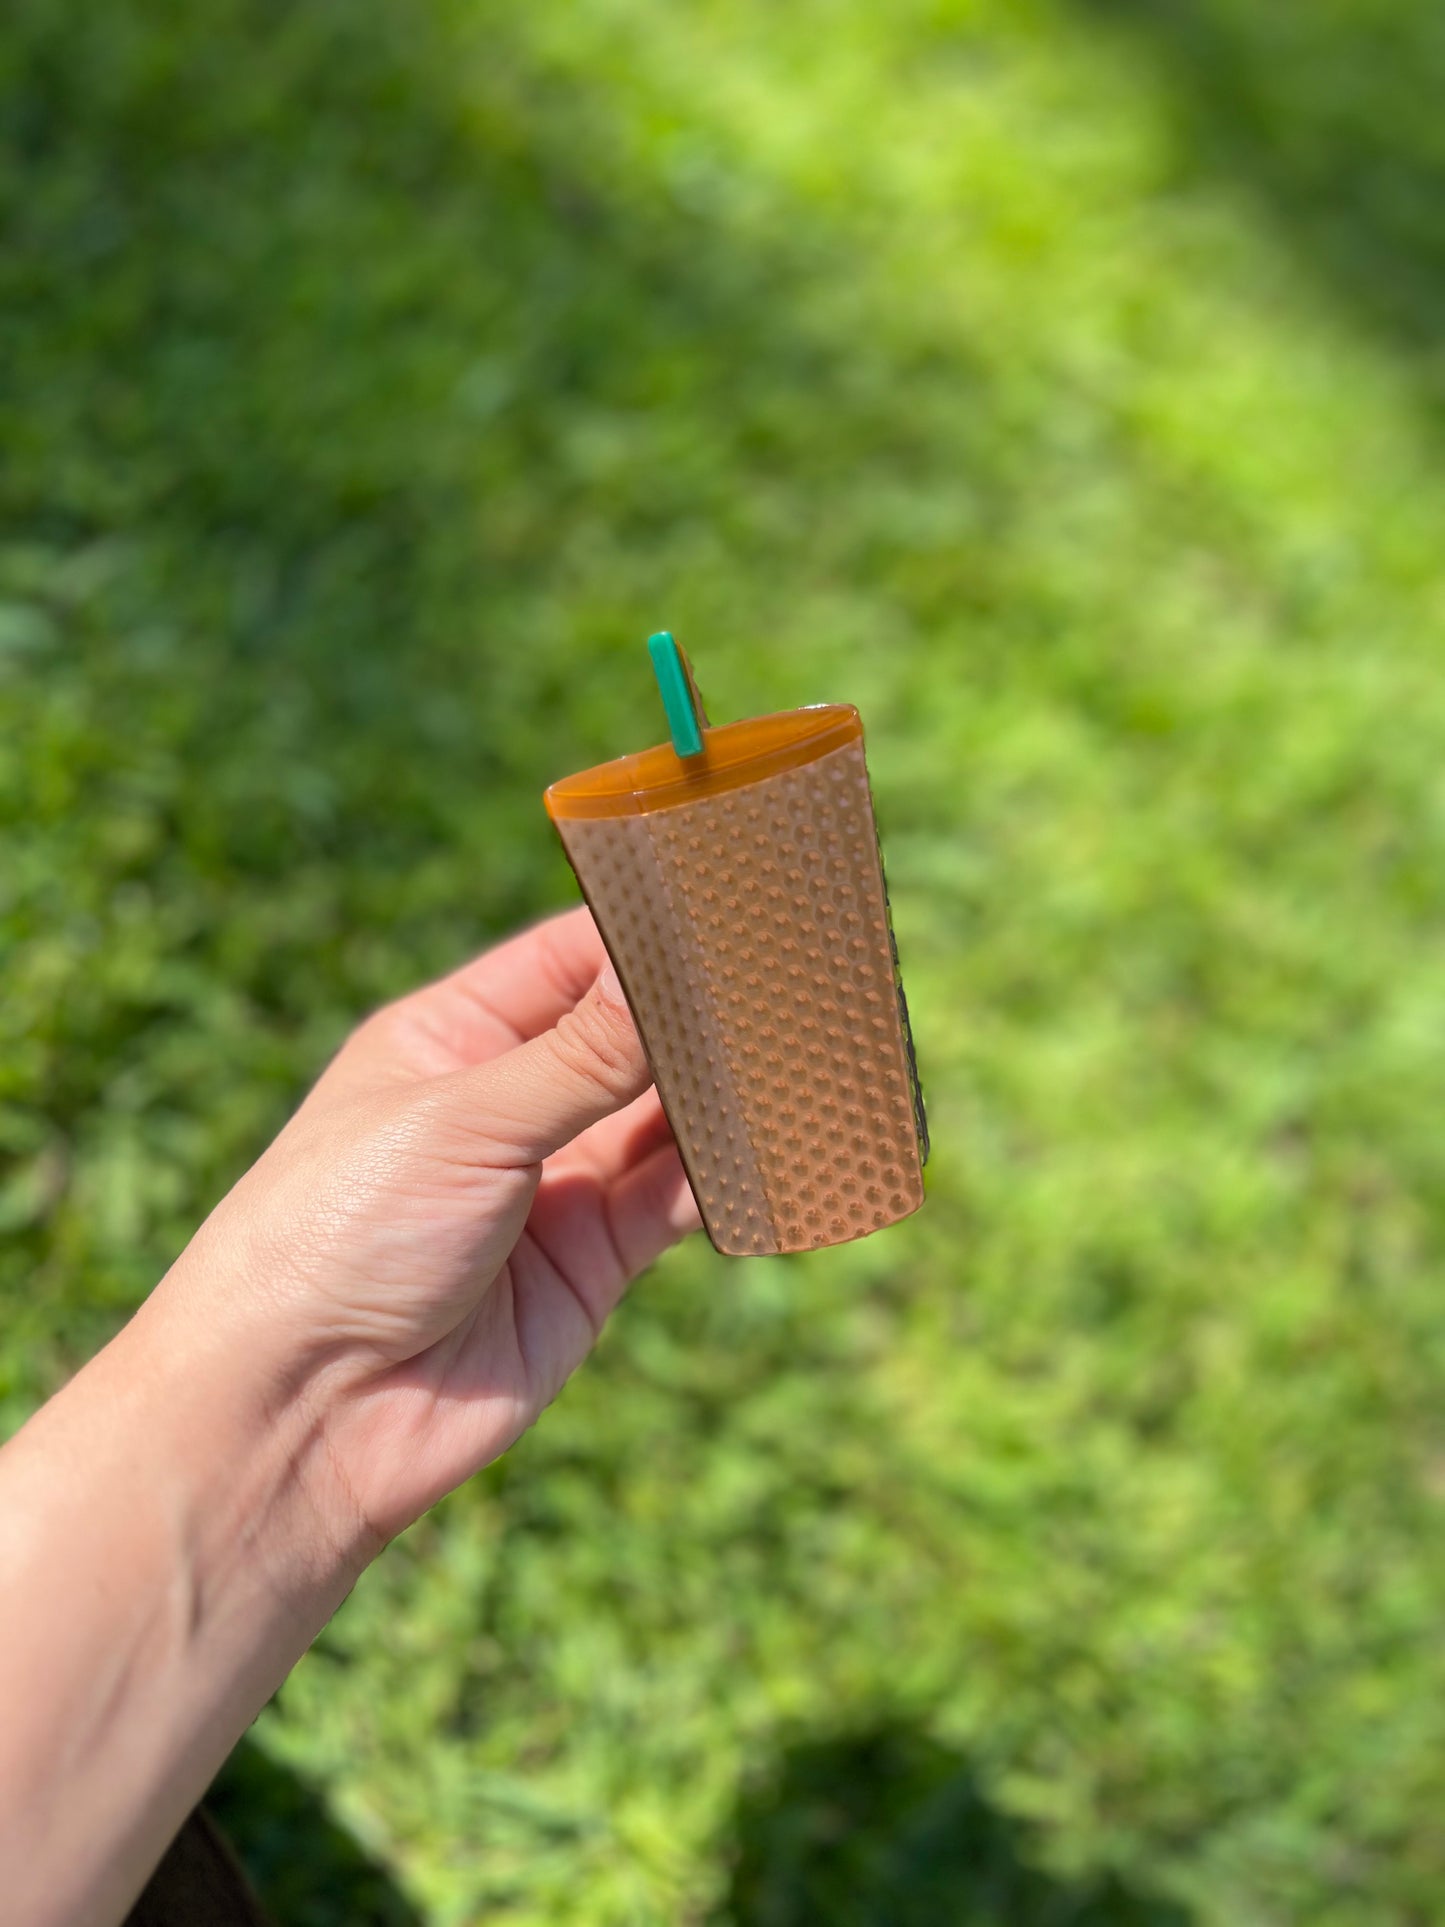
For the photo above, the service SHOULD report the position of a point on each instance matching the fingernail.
(609, 985)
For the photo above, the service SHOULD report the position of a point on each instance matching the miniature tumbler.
(736, 880)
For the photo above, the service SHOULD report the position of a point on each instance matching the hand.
(431, 1246)
(379, 1307)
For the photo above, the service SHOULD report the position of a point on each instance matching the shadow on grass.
(307, 1870)
(1329, 116)
(886, 1828)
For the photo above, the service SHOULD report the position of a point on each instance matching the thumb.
(534, 1099)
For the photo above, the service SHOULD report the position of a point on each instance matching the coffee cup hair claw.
(735, 875)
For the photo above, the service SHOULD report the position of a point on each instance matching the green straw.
(677, 693)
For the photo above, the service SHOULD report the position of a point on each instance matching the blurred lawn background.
(1062, 383)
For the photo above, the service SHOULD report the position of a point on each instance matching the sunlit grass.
(372, 380)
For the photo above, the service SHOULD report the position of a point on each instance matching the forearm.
(422, 1257)
(164, 1565)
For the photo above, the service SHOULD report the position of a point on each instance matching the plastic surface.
(677, 694)
(740, 894)
(733, 755)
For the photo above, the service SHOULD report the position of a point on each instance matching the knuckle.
(600, 1048)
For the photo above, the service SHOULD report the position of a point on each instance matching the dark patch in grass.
(309, 1870)
(887, 1828)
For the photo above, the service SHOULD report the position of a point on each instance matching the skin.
(379, 1308)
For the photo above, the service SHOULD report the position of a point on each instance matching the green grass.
(1059, 382)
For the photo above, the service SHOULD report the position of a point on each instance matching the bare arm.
(380, 1307)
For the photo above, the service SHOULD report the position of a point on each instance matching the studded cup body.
(750, 928)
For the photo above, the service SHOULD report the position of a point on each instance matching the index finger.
(524, 985)
(501, 999)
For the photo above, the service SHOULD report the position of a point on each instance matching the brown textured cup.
(740, 894)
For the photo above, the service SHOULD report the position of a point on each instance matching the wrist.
(259, 1496)
(167, 1561)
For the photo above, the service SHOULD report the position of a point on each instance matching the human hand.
(431, 1246)
(377, 1309)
